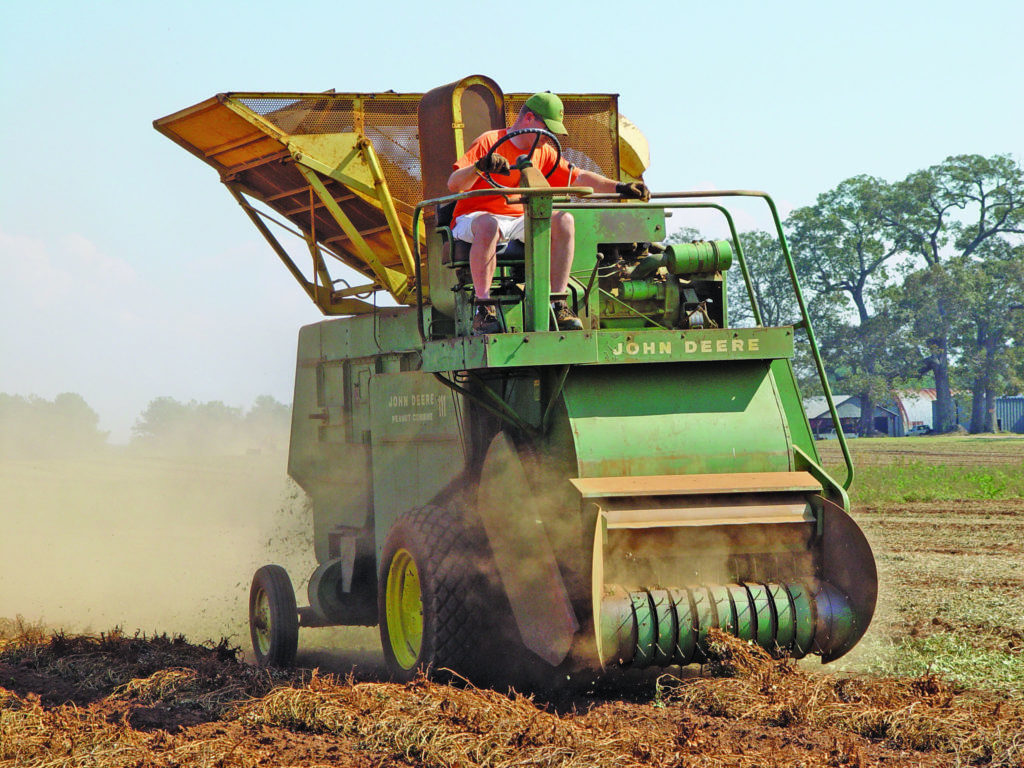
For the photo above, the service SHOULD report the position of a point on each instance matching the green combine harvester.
(583, 500)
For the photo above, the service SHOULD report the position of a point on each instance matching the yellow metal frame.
(248, 138)
(383, 254)
(349, 159)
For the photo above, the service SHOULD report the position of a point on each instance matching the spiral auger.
(663, 627)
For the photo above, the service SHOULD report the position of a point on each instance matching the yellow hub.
(404, 607)
(261, 620)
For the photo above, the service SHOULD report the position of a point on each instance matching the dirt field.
(159, 546)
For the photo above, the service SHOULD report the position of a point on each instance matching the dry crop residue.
(116, 700)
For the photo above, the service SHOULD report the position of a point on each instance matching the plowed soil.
(131, 701)
(949, 572)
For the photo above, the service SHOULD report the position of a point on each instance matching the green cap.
(548, 107)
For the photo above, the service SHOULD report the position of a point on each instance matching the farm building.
(916, 408)
(886, 420)
(1010, 414)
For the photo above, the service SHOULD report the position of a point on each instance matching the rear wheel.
(273, 617)
(432, 597)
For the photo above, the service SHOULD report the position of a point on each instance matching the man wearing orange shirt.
(488, 220)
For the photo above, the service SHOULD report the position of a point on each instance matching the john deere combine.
(588, 499)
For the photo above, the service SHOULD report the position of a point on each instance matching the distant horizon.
(127, 438)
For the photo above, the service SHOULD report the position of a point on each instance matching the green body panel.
(330, 451)
(326, 412)
(608, 346)
(677, 420)
(615, 224)
(789, 393)
(417, 444)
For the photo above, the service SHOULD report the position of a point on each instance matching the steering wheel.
(540, 133)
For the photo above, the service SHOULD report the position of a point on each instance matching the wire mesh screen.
(592, 122)
(388, 122)
(326, 114)
(392, 127)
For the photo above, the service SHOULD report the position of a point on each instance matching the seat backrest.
(451, 117)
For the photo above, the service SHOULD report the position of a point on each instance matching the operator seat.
(451, 117)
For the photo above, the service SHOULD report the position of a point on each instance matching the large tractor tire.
(432, 596)
(273, 617)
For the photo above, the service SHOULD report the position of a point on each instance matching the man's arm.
(595, 181)
(466, 167)
(462, 179)
(631, 190)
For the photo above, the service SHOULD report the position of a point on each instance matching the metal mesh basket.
(389, 122)
(592, 122)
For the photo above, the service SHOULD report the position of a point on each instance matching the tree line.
(915, 283)
(33, 426)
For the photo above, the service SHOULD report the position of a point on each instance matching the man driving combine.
(486, 221)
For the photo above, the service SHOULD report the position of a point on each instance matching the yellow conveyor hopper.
(345, 171)
(341, 168)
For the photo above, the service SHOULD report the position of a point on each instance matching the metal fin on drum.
(666, 627)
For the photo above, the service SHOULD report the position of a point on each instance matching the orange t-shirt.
(543, 159)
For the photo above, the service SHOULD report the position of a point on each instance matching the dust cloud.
(153, 543)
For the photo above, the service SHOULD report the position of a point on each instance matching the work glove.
(635, 190)
(493, 163)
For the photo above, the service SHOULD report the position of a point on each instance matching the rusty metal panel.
(451, 117)
(791, 509)
(685, 485)
(217, 135)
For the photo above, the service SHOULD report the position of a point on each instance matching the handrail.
(790, 267)
(805, 316)
(732, 229)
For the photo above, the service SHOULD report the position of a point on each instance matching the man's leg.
(563, 239)
(482, 262)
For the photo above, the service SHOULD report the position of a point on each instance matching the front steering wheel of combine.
(273, 617)
(427, 598)
(540, 133)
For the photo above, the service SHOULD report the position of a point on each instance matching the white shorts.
(509, 227)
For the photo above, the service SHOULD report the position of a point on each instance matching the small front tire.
(273, 617)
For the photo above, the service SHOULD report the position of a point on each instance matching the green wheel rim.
(262, 622)
(404, 601)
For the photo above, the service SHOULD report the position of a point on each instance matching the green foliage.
(987, 330)
(169, 426)
(917, 480)
(920, 277)
(33, 426)
(683, 235)
(840, 244)
(842, 252)
(769, 277)
(967, 207)
(952, 656)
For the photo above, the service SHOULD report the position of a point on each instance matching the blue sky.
(128, 273)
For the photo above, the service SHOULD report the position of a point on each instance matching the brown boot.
(485, 321)
(565, 318)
